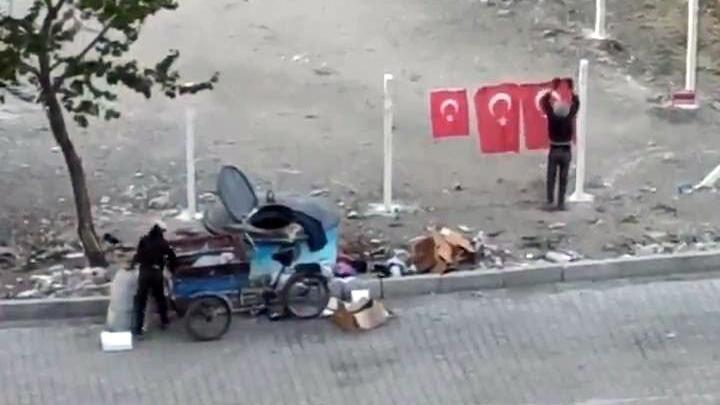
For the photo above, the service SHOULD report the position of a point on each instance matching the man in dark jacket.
(153, 252)
(561, 130)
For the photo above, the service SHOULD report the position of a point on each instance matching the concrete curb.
(60, 308)
(591, 270)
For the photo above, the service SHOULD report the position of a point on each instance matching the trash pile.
(60, 282)
(437, 252)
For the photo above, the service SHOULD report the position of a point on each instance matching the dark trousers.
(150, 281)
(558, 166)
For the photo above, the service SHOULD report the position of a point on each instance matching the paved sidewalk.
(609, 343)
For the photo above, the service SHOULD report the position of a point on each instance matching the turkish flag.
(534, 119)
(498, 118)
(449, 113)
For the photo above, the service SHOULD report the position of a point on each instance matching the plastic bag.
(122, 294)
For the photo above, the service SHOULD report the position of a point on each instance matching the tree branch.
(89, 46)
(31, 69)
(59, 5)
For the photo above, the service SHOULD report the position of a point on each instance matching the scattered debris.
(685, 189)
(161, 202)
(29, 294)
(665, 208)
(207, 197)
(597, 183)
(648, 189)
(657, 98)
(657, 236)
(557, 225)
(630, 219)
(648, 250)
(324, 71)
(353, 215)
(669, 157)
(595, 221)
(558, 257)
(464, 228)
(319, 192)
(301, 57)
(8, 257)
(344, 269)
(611, 46)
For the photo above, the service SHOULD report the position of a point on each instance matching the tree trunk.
(86, 230)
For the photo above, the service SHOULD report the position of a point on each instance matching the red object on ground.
(449, 113)
(498, 118)
(534, 119)
(684, 99)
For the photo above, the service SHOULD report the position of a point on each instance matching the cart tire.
(207, 318)
(300, 281)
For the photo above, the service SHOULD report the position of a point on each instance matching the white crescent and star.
(496, 99)
(449, 117)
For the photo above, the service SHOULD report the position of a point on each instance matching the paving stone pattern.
(649, 343)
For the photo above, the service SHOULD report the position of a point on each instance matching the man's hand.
(570, 84)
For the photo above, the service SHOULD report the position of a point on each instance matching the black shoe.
(138, 335)
(561, 207)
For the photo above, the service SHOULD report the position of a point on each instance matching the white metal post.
(692, 38)
(190, 162)
(388, 143)
(709, 180)
(580, 195)
(600, 11)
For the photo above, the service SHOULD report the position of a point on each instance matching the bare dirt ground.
(299, 107)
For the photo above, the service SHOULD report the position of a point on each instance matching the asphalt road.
(610, 343)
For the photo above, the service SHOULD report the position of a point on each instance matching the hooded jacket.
(561, 130)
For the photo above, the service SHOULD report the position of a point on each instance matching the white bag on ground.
(122, 294)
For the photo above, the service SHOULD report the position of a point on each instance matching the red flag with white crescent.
(498, 118)
(534, 119)
(449, 113)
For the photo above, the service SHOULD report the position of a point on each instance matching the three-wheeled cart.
(212, 280)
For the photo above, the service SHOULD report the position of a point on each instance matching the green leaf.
(86, 77)
(81, 120)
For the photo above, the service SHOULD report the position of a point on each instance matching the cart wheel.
(207, 318)
(306, 295)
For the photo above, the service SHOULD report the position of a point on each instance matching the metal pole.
(580, 195)
(388, 143)
(600, 10)
(190, 161)
(692, 38)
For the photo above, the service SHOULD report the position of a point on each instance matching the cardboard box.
(362, 315)
(441, 251)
